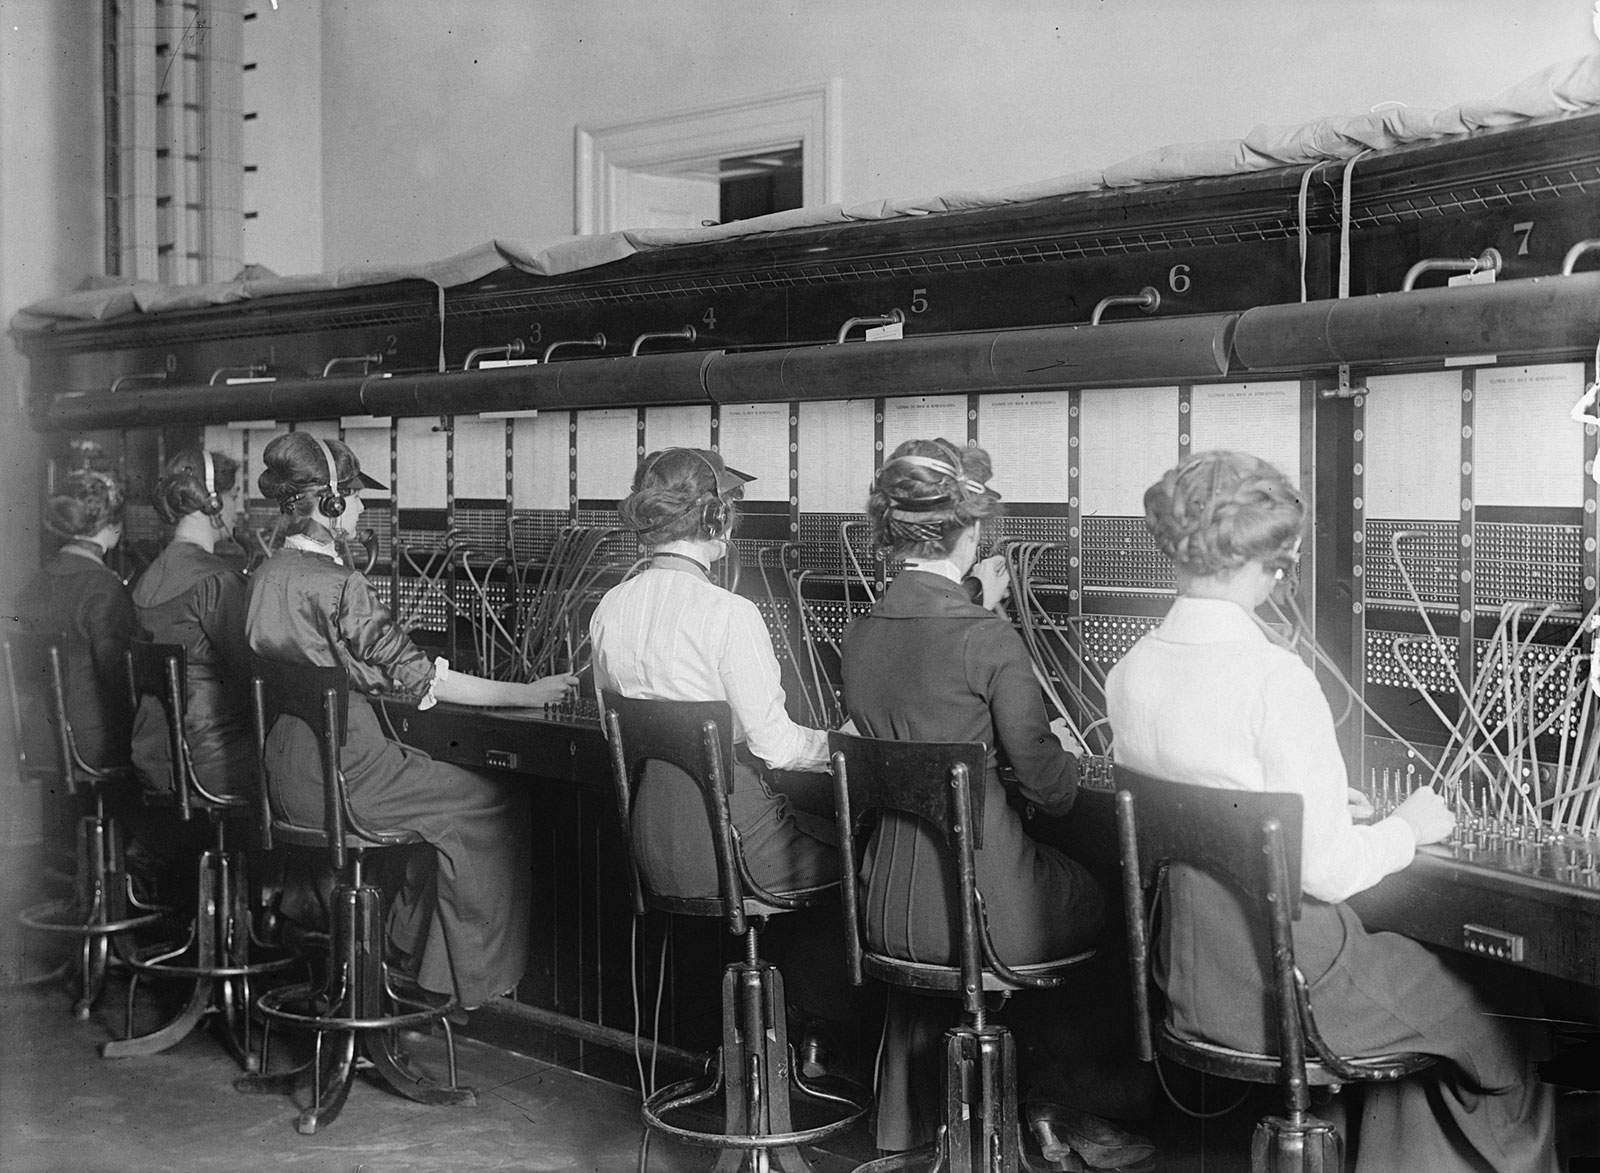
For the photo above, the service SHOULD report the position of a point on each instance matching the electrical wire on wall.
(548, 628)
(1523, 690)
(1059, 663)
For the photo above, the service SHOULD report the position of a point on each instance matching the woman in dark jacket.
(193, 597)
(77, 594)
(930, 663)
(462, 923)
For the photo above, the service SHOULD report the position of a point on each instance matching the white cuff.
(441, 671)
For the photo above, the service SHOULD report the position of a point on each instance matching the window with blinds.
(174, 123)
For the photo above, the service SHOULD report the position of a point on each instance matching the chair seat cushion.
(1259, 1067)
(921, 975)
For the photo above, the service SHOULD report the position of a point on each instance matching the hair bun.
(1220, 509)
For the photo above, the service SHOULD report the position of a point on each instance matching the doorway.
(708, 166)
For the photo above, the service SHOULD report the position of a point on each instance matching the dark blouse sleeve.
(110, 622)
(375, 643)
(222, 616)
(998, 665)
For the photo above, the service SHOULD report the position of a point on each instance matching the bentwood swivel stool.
(932, 782)
(754, 1073)
(216, 954)
(1250, 842)
(103, 906)
(355, 1015)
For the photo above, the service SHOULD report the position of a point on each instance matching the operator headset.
(213, 505)
(961, 487)
(716, 514)
(330, 501)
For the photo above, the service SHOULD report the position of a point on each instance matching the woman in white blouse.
(670, 632)
(1208, 698)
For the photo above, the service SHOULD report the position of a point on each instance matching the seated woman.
(193, 597)
(461, 919)
(77, 594)
(931, 664)
(671, 633)
(1209, 698)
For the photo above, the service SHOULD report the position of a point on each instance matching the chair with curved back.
(1251, 842)
(357, 1002)
(216, 952)
(103, 905)
(755, 1072)
(932, 782)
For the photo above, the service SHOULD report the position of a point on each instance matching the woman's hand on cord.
(1360, 805)
(1067, 738)
(991, 572)
(1427, 813)
(548, 690)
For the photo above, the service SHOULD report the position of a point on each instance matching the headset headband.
(938, 500)
(333, 465)
(211, 473)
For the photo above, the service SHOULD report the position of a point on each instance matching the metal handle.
(1489, 259)
(687, 332)
(512, 349)
(893, 317)
(1147, 299)
(364, 359)
(598, 342)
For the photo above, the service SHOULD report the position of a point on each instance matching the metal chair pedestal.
(754, 1072)
(931, 782)
(1301, 1144)
(356, 1015)
(361, 1010)
(753, 1075)
(103, 905)
(216, 954)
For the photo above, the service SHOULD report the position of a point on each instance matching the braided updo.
(926, 494)
(1219, 510)
(84, 502)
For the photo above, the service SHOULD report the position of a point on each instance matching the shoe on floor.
(1098, 1142)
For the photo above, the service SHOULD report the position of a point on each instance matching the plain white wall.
(52, 220)
(52, 235)
(448, 124)
(283, 142)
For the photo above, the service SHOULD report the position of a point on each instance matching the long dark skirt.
(1483, 1107)
(462, 918)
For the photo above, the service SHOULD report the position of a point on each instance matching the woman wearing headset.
(77, 594)
(460, 925)
(193, 597)
(935, 662)
(1210, 699)
(671, 633)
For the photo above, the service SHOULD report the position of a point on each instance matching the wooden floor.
(63, 1109)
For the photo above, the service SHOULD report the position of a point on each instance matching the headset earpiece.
(716, 516)
(213, 504)
(331, 502)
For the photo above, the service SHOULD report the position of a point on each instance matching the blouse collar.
(1208, 621)
(311, 545)
(85, 548)
(943, 567)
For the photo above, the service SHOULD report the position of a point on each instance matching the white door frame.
(811, 116)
